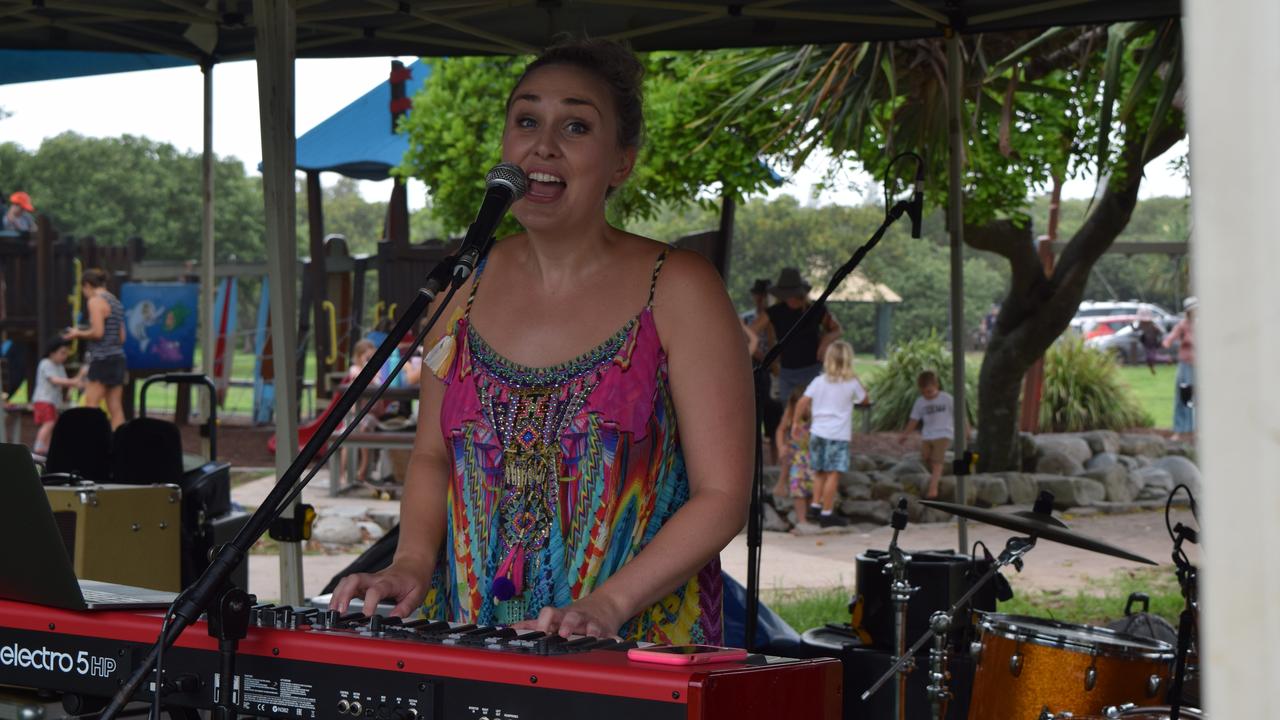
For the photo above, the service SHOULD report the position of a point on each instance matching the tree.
(451, 151)
(346, 213)
(117, 188)
(1070, 100)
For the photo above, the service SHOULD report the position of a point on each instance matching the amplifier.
(128, 534)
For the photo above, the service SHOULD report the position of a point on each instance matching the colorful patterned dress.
(560, 475)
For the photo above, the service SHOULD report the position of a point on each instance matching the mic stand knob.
(939, 694)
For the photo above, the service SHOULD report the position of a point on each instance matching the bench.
(385, 440)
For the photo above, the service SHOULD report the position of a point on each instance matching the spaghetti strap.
(657, 268)
(471, 297)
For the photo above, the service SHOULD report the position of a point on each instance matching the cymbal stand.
(1012, 554)
(900, 592)
(1187, 578)
(939, 694)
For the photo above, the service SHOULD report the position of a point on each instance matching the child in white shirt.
(830, 399)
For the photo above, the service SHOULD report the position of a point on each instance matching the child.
(830, 399)
(935, 411)
(793, 438)
(51, 378)
(361, 354)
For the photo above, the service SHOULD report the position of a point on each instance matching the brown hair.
(94, 278)
(613, 63)
(928, 377)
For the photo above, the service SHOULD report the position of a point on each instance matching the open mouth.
(544, 186)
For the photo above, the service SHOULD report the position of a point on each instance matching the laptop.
(35, 566)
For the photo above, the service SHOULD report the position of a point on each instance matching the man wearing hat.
(1183, 334)
(19, 217)
(801, 359)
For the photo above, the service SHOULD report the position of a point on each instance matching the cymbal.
(1038, 524)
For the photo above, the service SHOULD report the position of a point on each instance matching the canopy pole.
(275, 49)
(1233, 65)
(207, 298)
(955, 223)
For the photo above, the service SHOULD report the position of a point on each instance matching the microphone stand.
(1187, 578)
(214, 584)
(755, 518)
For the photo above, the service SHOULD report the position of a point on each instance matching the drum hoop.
(1028, 630)
(1160, 710)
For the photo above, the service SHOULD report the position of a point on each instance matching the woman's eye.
(525, 122)
(577, 128)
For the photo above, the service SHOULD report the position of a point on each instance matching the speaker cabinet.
(129, 534)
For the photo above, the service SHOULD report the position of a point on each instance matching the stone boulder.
(1069, 492)
(1022, 487)
(1156, 483)
(386, 519)
(885, 490)
(336, 529)
(880, 476)
(1102, 441)
(1140, 444)
(915, 483)
(1121, 486)
(1073, 446)
(1027, 446)
(947, 490)
(989, 490)
(1056, 462)
(876, 512)
(855, 486)
(1183, 471)
(863, 463)
(1102, 460)
(773, 521)
(908, 466)
(918, 513)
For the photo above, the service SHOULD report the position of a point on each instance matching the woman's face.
(562, 130)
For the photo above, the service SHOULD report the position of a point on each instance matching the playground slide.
(306, 431)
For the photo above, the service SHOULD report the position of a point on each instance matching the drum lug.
(1090, 678)
(1015, 664)
(1153, 686)
(1116, 711)
(975, 651)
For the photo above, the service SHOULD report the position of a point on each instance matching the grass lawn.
(1153, 392)
(804, 609)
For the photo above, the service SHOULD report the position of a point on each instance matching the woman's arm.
(99, 309)
(830, 333)
(711, 388)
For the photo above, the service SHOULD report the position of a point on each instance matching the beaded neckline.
(518, 375)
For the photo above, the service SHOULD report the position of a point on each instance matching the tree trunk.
(1038, 309)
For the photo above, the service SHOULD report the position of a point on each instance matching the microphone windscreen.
(508, 175)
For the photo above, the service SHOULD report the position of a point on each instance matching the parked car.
(1093, 311)
(1122, 341)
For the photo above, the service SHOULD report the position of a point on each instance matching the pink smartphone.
(686, 654)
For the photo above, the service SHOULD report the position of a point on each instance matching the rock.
(1154, 477)
(1102, 461)
(947, 490)
(1102, 441)
(876, 512)
(884, 462)
(880, 476)
(1142, 461)
(1073, 446)
(1183, 471)
(1129, 462)
(918, 513)
(1027, 446)
(1056, 462)
(855, 483)
(1138, 444)
(885, 491)
(335, 529)
(773, 521)
(915, 483)
(350, 512)
(1022, 487)
(989, 490)
(908, 466)
(1182, 449)
(1121, 486)
(372, 531)
(770, 475)
(1069, 492)
(386, 519)
(864, 463)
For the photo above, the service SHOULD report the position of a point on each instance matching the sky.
(166, 105)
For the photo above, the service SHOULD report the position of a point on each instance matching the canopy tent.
(21, 66)
(1231, 61)
(358, 141)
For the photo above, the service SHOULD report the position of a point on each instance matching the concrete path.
(809, 561)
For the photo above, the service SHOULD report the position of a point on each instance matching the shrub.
(894, 391)
(1083, 391)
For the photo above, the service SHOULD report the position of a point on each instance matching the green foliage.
(117, 188)
(1083, 391)
(346, 213)
(894, 388)
(451, 151)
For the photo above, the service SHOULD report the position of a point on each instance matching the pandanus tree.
(1038, 108)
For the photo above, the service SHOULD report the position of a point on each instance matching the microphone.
(916, 209)
(504, 184)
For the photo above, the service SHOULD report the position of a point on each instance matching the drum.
(1144, 713)
(1028, 665)
(941, 578)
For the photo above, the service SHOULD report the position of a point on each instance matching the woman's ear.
(625, 166)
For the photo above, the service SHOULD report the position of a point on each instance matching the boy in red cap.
(19, 217)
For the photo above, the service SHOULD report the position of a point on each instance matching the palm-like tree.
(1038, 108)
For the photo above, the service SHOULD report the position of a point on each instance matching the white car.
(1090, 309)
